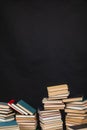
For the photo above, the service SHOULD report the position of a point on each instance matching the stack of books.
(55, 96)
(7, 118)
(50, 119)
(6, 113)
(26, 115)
(26, 122)
(76, 112)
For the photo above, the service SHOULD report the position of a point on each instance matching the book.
(16, 108)
(60, 96)
(82, 103)
(57, 87)
(46, 100)
(77, 115)
(8, 124)
(73, 99)
(47, 111)
(58, 106)
(75, 111)
(54, 93)
(77, 107)
(26, 107)
(78, 127)
(76, 120)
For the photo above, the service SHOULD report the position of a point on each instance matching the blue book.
(8, 124)
(26, 107)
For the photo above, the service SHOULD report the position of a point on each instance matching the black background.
(42, 43)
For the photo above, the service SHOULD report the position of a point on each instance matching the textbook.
(26, 107)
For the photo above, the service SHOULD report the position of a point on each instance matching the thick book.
(79, 127)
(26, 107)
(57, 87)
(16, 108)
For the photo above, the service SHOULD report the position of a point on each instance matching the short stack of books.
(26, 115)
(50, 119)
(26, 122)
(76, 112)
(6, 113)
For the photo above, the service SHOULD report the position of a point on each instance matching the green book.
(26, 107)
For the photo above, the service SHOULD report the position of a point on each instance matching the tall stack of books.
(50, 117)
(26, 115)
(76, 113)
